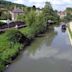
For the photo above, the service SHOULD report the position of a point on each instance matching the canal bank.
(69, 30)
(50, 52)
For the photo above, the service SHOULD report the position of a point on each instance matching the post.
(8, 22)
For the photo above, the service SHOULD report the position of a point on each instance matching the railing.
(12, 25)
(2, 30)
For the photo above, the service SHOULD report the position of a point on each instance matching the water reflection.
(42, 46)
(53, 43)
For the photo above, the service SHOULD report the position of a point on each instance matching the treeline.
(9, 5)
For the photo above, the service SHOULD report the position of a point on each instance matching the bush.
(35, 24)
(1, 23)
(30, 18)
(5, 16)
(14, 36)
(1, 67)
(28, 32)
(9, 51)
(68, 18)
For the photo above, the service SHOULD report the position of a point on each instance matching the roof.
(17, 10)
(61, 12)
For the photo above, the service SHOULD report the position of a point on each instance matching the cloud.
(19, 1)
(57, 4)
(52, 1)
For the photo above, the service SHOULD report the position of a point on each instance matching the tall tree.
(49, 13)
(48, 5)
(68, 16)
(34, 7)
(68, 10)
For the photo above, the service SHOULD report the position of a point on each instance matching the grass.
(7, 50)
(28, 32)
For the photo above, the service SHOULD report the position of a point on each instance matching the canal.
(50, 52)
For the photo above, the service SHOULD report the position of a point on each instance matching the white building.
(15, 12)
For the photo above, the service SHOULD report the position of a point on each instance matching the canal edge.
(69, 37)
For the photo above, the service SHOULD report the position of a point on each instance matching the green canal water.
(50, 52)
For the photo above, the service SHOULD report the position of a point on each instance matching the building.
(15, 12)
(62, 14)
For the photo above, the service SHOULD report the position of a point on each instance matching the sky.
(56, 4)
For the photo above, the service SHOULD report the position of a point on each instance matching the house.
(15, 12)
(62, 14)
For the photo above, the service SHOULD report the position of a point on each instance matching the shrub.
(1, 67)
(1, 23)
(14, 36)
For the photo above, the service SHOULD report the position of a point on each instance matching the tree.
(27, 10)
(2, 67)
(34, 7)
(48, 5)
(20, 17)
(68, 10)
(30, 18)
(40, 23)
(14, 36)
(68, 16)
(49, 13)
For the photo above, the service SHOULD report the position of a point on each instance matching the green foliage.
(10, 52)
(34, 7)
(36, 23)
(1, 67)
(5, 15)
(47, 10)
(28, 32)
(20, 17)
(27, 10)
(49, 13)
(14, 36)
(68, 10)
(1, 23)
(6, 49)
(30, 18)
(40, 23)
(6, 6)
(68, 16)
(9, 5)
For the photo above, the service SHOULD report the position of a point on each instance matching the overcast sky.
(56, 4)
